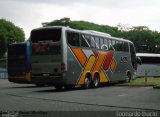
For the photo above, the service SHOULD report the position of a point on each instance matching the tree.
(9, 33)
(82, 25)
(3, 44)
(62, 22)
(157, 42)
(144, 39)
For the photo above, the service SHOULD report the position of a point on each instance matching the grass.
(151, 81)
(147, 81)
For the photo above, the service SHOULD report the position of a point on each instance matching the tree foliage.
(145, 40)
(9, 33)
(82, 25)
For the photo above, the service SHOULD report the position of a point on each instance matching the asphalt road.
(26, 97)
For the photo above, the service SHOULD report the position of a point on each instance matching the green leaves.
(144, 39)
(9, 33)
(83, 25)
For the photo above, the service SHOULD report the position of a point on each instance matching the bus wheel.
(58, 87)
(96, 81)
(128, 78)
(87, 82)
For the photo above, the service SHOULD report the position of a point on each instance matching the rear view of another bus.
(46, 60)
(18, 62)
(150, 66)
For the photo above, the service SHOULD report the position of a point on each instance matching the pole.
(145, 76)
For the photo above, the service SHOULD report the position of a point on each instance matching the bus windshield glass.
(150, 60)
(46, 35)
(16, 49)
(16, 59)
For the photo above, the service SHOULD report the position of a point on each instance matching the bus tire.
(87, 82)
(128, 77)
(96, 81)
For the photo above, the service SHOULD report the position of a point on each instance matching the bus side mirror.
(139, 61)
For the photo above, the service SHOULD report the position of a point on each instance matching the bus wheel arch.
(96, 80)
(87, 81)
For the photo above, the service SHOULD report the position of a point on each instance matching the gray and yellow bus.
(65, 57)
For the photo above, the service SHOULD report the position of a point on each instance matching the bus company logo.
(124, 59)
(98, 62)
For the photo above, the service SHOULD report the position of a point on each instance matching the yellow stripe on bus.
(103, 77)
(99, 63)
(28, 77)
(113, 65)
(87, 68)
(80, 55)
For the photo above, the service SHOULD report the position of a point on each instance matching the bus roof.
(96, 32)
(147, 55)
(91, 32)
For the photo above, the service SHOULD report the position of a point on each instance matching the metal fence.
(3, 70)
(3, 74)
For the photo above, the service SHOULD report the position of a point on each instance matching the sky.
(30, 14)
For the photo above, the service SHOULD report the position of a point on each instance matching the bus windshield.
(150, 60)
(46, 35)
(16, 59)
(16, 49)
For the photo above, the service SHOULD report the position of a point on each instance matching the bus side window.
(88, 40)
(114, 44)
(105, 45)
(119, 45)
(93, 44)
(97, 42)
(101, 43)
(84, 42)
(126, 47)
(110, 45)
(73, 39)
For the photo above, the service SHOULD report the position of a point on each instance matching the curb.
(156, 87)
(140, 85)
(135, 85)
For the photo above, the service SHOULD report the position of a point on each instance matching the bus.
(66, 57)
(18, 62)
(150, 66)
